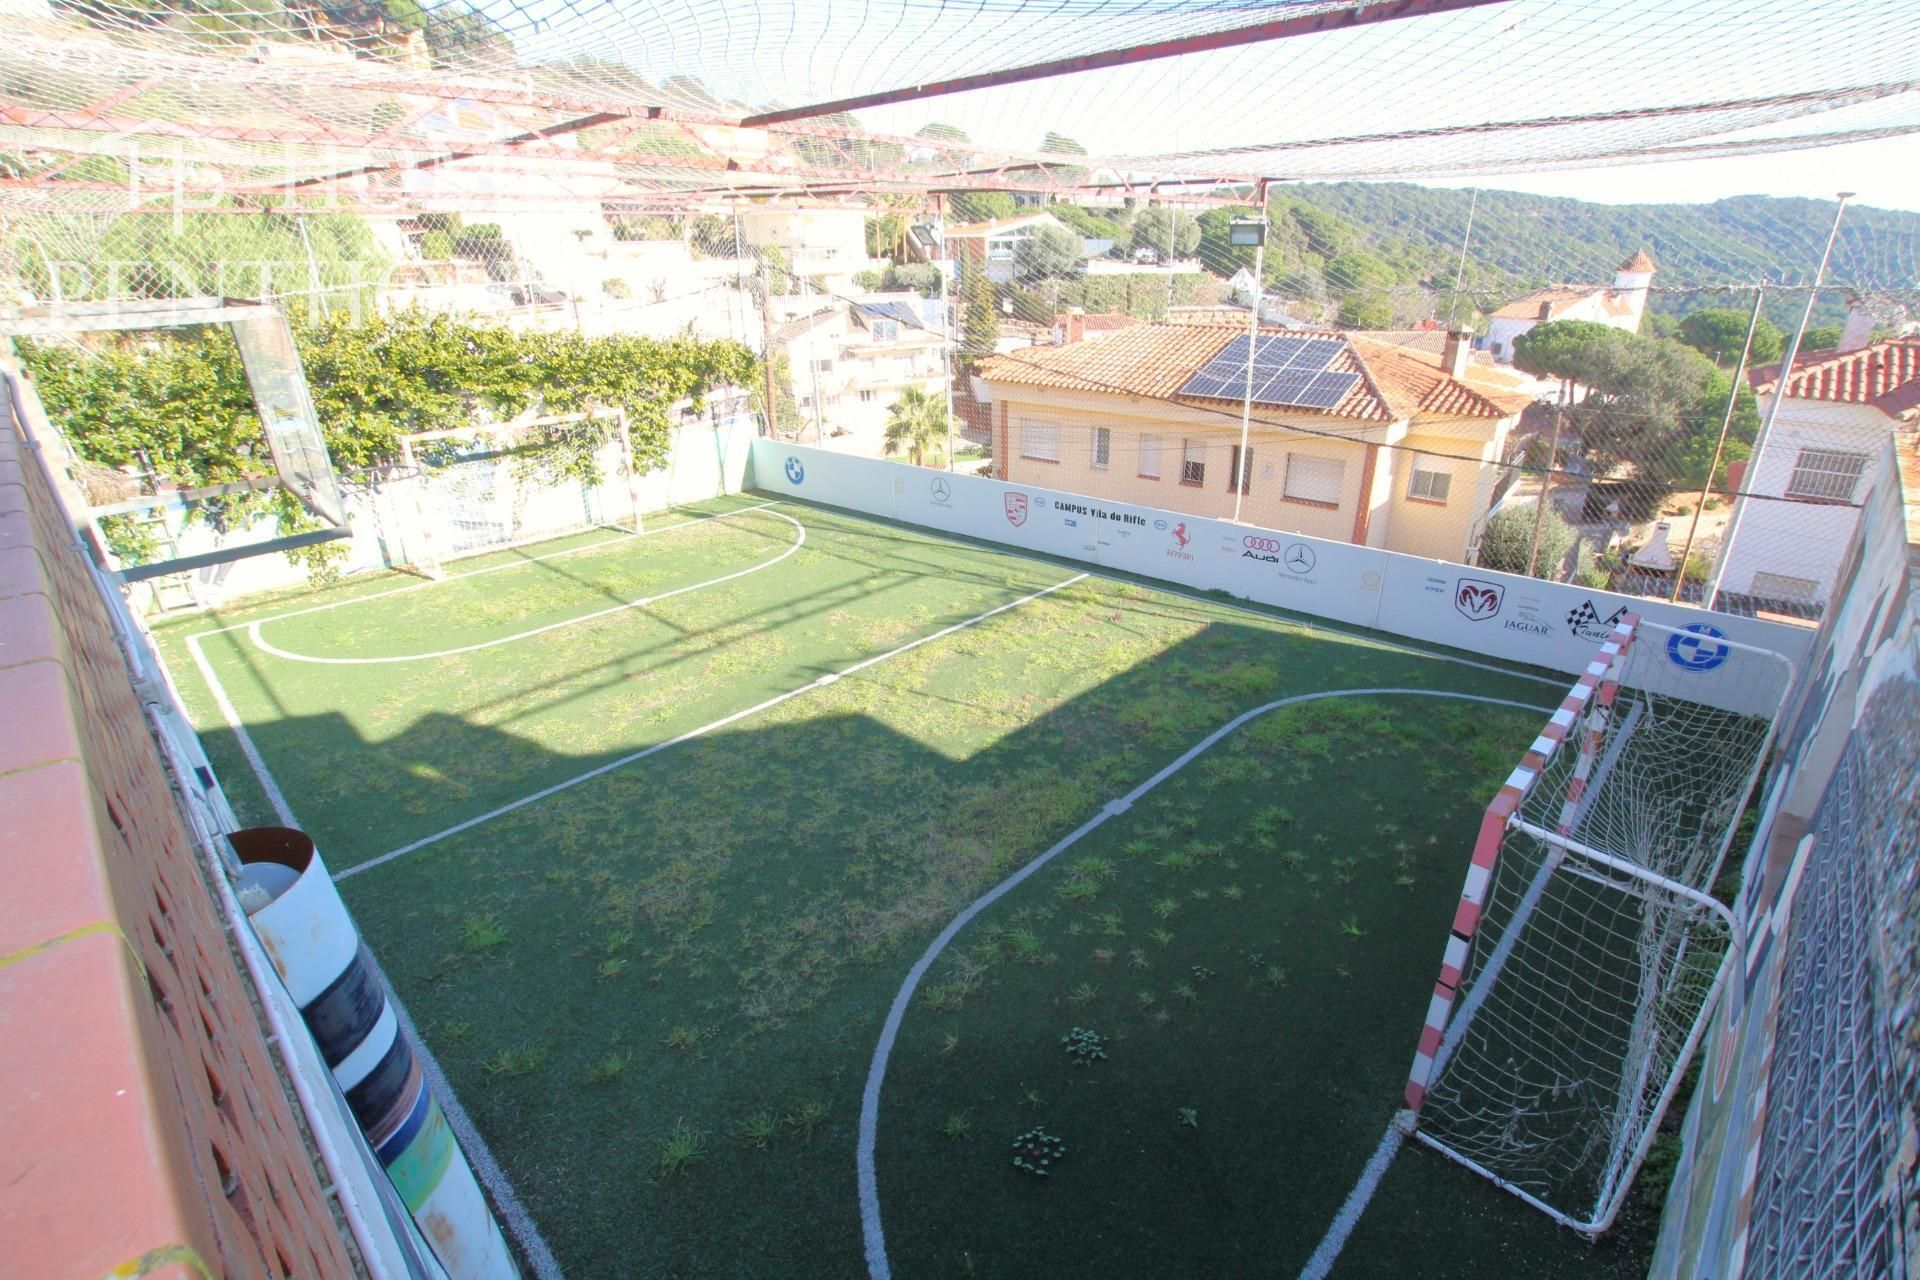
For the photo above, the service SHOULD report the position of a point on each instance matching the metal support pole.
(1719, 446)
(946, 321)
(1773, 410)
(1241, 469)
(1546, 481)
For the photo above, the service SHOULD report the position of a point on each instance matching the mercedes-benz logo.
(1300, 558)
(941, 489)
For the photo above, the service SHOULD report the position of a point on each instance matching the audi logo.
(1260, 544)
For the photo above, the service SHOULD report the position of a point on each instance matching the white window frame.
(1036, 436)
(1420, 485)
(1102, 447)
(1826, 475)
(1150, 446)
(1193, 462)
(1306, 481)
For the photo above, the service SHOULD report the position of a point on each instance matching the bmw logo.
(795, 472)
(1696, 647)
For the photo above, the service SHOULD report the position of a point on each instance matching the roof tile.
(1155, 360)
(1885, 375)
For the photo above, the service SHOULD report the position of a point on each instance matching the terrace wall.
(1508, 617)
(147, 1130)
(1801, 1140)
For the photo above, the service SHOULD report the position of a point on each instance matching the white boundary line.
(1327, 1252)
(522, 562)
(506, 1201)
(691, 734)
(872, 1233)
(260, 641)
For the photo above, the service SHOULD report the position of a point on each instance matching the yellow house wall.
(1396, 523)
(1442, 531)
(1129, 419)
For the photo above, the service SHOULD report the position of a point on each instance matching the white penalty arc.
(866, 1170)
(264, 645)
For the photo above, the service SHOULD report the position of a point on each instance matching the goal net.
(1587, 950)
(463, 492)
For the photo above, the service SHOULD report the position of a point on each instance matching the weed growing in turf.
(1137, 959)
(1188, 1116)
(1185, 991)
(1165, 907)
(1144, 999)
(1110, 923)
(959, 1124)
(950, 1043)
(609, 1068)
(1102, 955)
(1162, 936)
(1200, 895)
(1024, 945)
(805, 1117)
(683, 1038)
(680, 1150)
(1292, 860)
(1351, 927)
(1404, 881)
(1275, 976)
(1085, 993)
(758, 1129)
(509, 1064)
(1077, 890)
(1084, 1046)
(481, 934)
(1233, 893)
(456, 1030)
(612, 966)
(1035, 1151)
(1033, 1098)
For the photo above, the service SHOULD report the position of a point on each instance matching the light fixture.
(1248, 232)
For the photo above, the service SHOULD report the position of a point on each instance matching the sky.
(1884, 173)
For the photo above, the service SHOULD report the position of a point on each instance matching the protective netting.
(1586, 968)
(496, 487)
(352, 102)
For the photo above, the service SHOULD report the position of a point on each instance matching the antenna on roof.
(1460, 273)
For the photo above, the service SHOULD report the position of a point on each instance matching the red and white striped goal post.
(1590, 700)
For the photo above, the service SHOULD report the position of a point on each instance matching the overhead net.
(1587, 950)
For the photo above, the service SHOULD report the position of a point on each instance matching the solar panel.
(1283, 369)
(1327, 390)
(1283, 388)
(1208, 383)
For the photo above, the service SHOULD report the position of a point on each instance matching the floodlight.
(1248, 232)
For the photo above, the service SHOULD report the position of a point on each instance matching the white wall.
(1546, 624)
(1802, 539)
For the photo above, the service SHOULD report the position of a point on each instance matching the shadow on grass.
(708, 940)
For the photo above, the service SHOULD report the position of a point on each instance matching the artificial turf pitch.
(658, 991)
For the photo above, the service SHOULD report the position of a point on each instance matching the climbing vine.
(181, 399)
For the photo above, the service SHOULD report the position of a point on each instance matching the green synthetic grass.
(657, 993)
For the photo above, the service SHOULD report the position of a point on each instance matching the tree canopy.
(1048, 252)
(1161, 229)
(981, 206)
(917, 425)
(1718, 333)
(1507, 542)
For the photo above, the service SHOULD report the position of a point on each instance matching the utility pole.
(1773, 410)
(1546, 481)
(1258, 234)
(1719, 446)
(946, 320)
(771, 394)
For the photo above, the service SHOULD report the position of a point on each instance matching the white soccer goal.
(1587, 951)
(476, 489)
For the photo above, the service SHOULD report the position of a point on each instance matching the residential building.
(1406, 459)
(851, 361)
(1078, 325)
(994, 244)
(1620, 306)
(1840, 406)
(817, 240)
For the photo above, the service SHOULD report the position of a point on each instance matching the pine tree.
(980, 327)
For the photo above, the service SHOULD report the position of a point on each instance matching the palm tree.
(916, 425)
